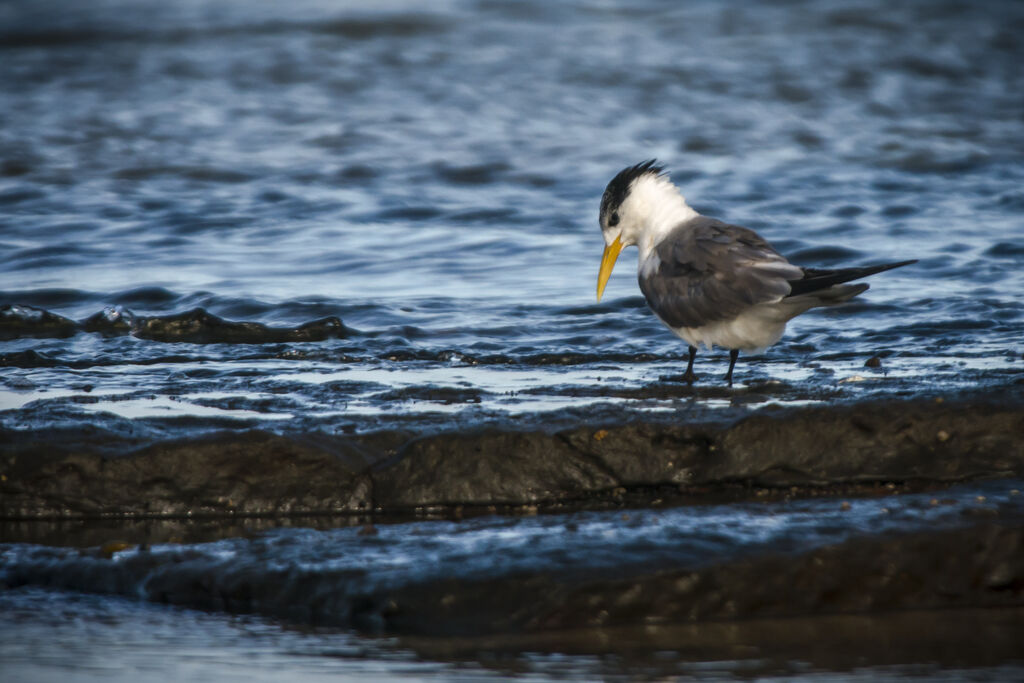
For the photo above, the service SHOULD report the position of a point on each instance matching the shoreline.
(136, 524)
(847, 449)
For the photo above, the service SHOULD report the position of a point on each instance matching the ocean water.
(430, 177)
(341, 217)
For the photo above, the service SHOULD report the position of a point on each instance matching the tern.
(711, 283)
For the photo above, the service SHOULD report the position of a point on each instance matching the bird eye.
(614, 218)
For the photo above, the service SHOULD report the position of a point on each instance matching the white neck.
(656, 206)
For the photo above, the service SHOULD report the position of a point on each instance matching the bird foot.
(689, 377)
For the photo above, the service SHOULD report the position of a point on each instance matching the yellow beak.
(611, 252)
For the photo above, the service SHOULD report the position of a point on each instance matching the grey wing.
(707, 270)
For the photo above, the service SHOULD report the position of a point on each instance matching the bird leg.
(733, 355)
(688, 376)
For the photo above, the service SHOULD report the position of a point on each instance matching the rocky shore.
(973, 560)
(772, 451)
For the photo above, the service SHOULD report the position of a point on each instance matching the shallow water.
(55, 636)
(311, 585)
(402, 201)
(430, 177)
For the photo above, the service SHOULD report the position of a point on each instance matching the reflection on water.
(67, 636)
(53, 636)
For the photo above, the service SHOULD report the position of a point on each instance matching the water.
(102, 639)
(281, 601)
(400, 201)
(430, 177)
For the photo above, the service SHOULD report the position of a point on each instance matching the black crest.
(617, 189)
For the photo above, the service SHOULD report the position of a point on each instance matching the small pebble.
(108, 549)
(873, 362)
(845, 506)
(943, 435)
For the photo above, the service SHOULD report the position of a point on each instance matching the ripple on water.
(315, 220)
(413, 219)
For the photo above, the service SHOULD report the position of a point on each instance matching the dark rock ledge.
(258, 473)
(975, 567)
(981, 566)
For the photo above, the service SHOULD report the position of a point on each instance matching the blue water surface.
(429, 174)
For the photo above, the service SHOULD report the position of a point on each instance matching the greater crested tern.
(710, 282)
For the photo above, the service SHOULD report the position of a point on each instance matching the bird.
(710, 282)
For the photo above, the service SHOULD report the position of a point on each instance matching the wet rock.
(26, 359)
(790, 451)
(110, 322)
(197, 326)
(644, 454)
(250, 474)
(18, 321)
(894, 441)
(979, 566)
(201, 327)
(976, 567)
(484, 468)
(887, 441)
(445, 395)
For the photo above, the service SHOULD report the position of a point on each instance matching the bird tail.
(837, 294)
(815, 280)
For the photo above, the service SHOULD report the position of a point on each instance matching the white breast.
(755, 329)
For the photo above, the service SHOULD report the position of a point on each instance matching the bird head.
(637, 204)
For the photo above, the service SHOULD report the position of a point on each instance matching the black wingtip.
(815, 279)
(901, 264)
(871, 270)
